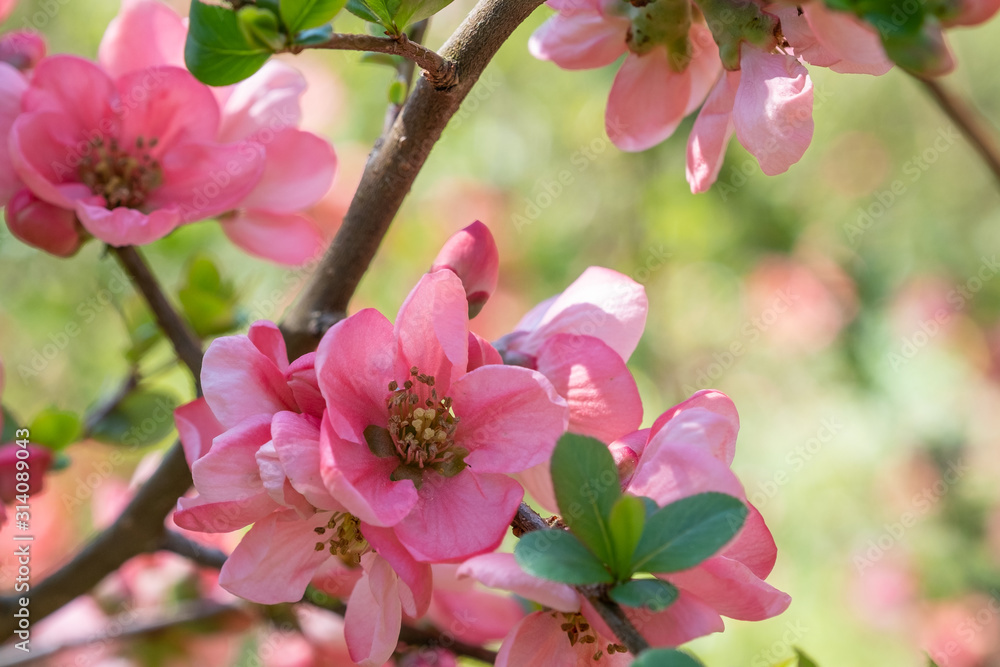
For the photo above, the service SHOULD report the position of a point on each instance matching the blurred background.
(850, 308)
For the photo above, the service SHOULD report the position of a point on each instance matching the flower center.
(579, 631)
(344, 540)
(420, 431)
(122, 177)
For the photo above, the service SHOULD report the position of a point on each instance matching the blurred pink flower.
(472, 255)
(6, 7)
(22, 49)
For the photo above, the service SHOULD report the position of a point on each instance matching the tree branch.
(968, 122)
(527, 520)
(391, 170)
(440, 72)
(198, 553)
(404, 74)
(185, 343)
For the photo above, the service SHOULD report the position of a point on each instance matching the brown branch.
(391, 170)
(441, 72)
(968, 122)
(185, 343)
(527, 520)
(404, 74)
(198, 553)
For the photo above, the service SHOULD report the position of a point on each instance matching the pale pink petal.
(731, 589)
(360, 480)
(267, 102)
(537, 483)
(374, 615)
(718, 426)
(206, 179)
(12, 87)
(803, 42)
(286, 238)
(857, 44)
(710, 134)
(686, 619)
(76, 88)
(354, 366)
(705, 65)
(602, 396)
(475, 617)
(669, 473)
(582, 39)
(197, 427)
(448, 523)
(228, 470)
(240, 382)
(647, 102)
(146, 33)
(127, 226)
(296, 441)
(274, 562)
(600, 303)
(204, 515)
(509, 418)
(481, 353)
(277, 484)
(537, 641)
(297, 173)
(772, 112)
(500, 570)
(432, 330)
(417, 579)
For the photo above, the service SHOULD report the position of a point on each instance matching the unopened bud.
(22, 49)
(40, 224)
(472, 255)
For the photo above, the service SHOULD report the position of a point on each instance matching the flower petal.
(296, 441)
(715, 418)
(580, 39)
(197, 427)
(686, 619)
(240, 382)
(647, 102)
(286, 238)
(77, 89)
(127, 226)
(500, 570)
(268, 101)
(432, 330)
(145, 34)
(374, 615)
(298, 171)
(12, 87)
(537, 641)
(710, 134)
(667, 473)
(731, 589)
(228, 470)
(204, 515)
(415, 594)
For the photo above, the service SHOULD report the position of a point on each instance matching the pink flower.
(413, 441)
(133, 157)
(43, 225)
(6, 7)
(655, 87)
(768, 103)
(262, 115)
(472, 255)
(12, 87)
(22, 49)
(469, 612)
(828, 38)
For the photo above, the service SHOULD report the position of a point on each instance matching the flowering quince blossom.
(261, 114)
(472, 255)
(688, 450)
(414, 441)
(253, 447)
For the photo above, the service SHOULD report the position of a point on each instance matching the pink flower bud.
(472, 255)
(22, 49)
(40, 224)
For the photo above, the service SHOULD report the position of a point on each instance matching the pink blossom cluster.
(131, 147)
(397, 448)
(672, 66)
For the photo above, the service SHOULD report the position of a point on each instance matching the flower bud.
(22, 49)
(39, 460)
(40, 224)
(472, 255)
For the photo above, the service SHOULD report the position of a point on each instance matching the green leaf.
(302, 14)
(585, 480)
(686, 532)
(628, 516)
(314, 36)
(260, 27)
(930, 662)
(217, 52)
(9, 426)
(377, 11)
(804, 660)
(559, 556)
(55, 428)
(209, 302)
(382, 59)
(653, 594)
(411, 11)
(397, 93)
(665, 657)
(142, 418)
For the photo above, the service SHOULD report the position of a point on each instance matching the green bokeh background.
(528, 122)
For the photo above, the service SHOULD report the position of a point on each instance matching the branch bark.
(391, 170)
(441, 72)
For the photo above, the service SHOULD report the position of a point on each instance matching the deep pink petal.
(44, 154)
(772, 112)
(274, 562)
(240, 382)
(481, 353)
(509, 418)
(263, 105)
(299, 170)
(374, 615)
(302, 380)
(600, 391)
(753, 545)
(601, 303)
(537, 641)
(432, 330)
(267, 338)
(77, 89)
(43, 225)
(732, 589)
(500, 570)
(354, 366)
(286, 238)
(415, 594)
(472, 255)
(228, 470)
(448, 522)
(296, 441)
(146, 33)
(647, 102)
(710, 135)
(359, 480)
(582, 39)
(12, 87)
(720, 425)
(126, 226)
(197, 427)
